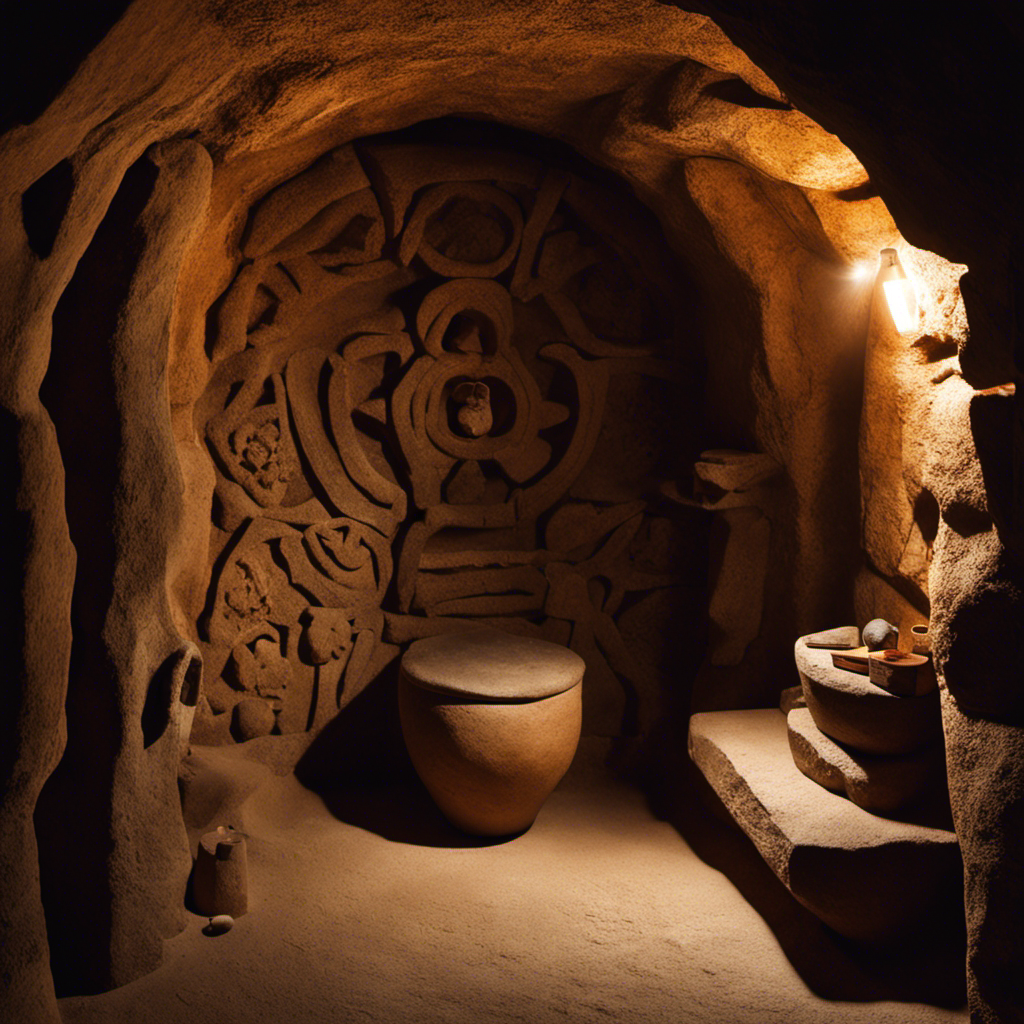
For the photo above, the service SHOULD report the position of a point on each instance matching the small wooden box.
(906, 675)
(855, 660)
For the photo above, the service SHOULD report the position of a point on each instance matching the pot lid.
(492, 665)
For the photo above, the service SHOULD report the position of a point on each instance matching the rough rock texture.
(913, 104)
(853, 710)
(265, 105)
(478, 448)
(132, 675)
(978, 590)
(769, 212)
(872, 104)
(599, 912)
(838, 639)
(737, 487)
(902, 378)
(866, 876)
(880, 784)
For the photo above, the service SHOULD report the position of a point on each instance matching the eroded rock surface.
(769, 210)
(880, 784)
(416, 421)
(113, 850)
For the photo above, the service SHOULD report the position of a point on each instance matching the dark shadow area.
(925, 966)
(160, 695)
(80, 392)
(982, 666)
(926, 515)
(982, 670)
(46, 43)
(933, 349)
(402, 812)
(190, 900)
(481, 131)
(44, 204)
(363, 745)
(992, 427)
(359, 767)
(736, 91)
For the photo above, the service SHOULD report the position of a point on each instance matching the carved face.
(473, 400)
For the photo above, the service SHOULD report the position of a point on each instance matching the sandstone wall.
(766, 212)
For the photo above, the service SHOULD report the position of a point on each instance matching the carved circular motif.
(399, 370)
(464, 199)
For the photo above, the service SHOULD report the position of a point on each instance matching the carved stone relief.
(409, 419)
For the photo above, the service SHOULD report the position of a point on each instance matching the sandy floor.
(368, 907)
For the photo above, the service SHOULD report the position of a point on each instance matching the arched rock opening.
(766, 210)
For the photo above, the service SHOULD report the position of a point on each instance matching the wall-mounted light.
(899, 291)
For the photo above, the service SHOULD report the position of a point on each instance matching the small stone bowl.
(491, 722)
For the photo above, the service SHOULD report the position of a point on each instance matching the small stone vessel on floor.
(491, 722)
(220, 884)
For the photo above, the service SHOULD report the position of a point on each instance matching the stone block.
(791, 697)
(882, 784)
(869, 878)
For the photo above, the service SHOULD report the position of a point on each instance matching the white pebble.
(219, 925)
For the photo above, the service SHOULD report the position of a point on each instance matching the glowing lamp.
(899, 291)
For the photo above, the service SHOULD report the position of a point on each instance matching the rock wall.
(445, 381)
(766, 212)
(133, 678)
(924, 112)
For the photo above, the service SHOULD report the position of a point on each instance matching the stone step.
(894, 785)
(869, 878)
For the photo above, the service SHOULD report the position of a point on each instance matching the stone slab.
(489, 664)
(791, 697)
(882, 784)
(840, 638)
(869, 878)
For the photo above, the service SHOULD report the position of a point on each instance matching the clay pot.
(220, 884)
(491, 722)
(921, 639)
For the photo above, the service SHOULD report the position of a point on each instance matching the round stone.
(253, 717)
(492, 665)
(880, 635)
(219, 924)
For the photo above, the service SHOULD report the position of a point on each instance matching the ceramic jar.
(921, 639)
(220, 883)
(491, 722)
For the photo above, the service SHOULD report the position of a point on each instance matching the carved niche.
(443, 382)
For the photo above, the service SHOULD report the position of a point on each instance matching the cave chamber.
(326, 335)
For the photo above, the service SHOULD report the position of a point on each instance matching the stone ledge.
(851, 709)
(882, 784)
(869, 878)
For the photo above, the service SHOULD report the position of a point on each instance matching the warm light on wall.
(899, 291)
